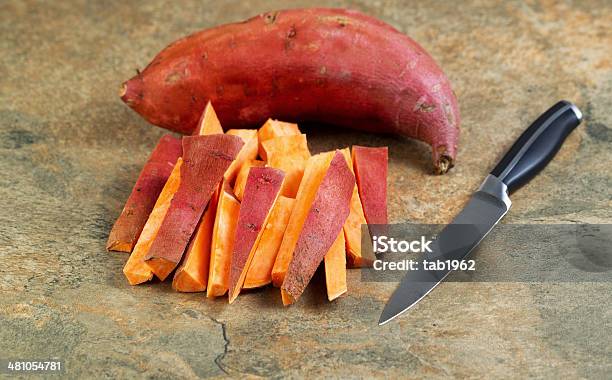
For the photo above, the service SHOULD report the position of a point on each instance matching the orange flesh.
(192, 275)
(352, 226)
(290, 154)
(260, 270)
(243, 174)
(335, 269)
(209, 122)
(161, 267)
(272, 186)
(316, 167)
(228, 209)
(286, 297)
(135, 269)
(248, 152)
(272, 129)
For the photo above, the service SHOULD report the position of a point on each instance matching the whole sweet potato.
(330, 65)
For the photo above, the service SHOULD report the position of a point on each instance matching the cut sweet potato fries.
(136, 211)
(260, 270)
(192, 274)
(224, 230)
(288, 153)
(323, 223)
(262, 189)
(248, 208)
(205, 159)
(352, 226)
(313, 175)
(335, 269)
(136, 270)
(243, 174)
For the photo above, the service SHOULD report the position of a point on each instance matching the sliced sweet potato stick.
(352, 226)
(248, 152)
(127, 228)
(205, 160)
(228, 209)
(272, 129)
(243, 175)
(316, 167)
(260, 270)
(322, 226)
(370, 166)
(335, 268)
(192, 274)
(135, 269)
(288, 153)
(261, 191)
(209, 122)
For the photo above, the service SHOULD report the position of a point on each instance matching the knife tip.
(386, 316)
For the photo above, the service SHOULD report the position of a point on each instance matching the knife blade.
(531, 152)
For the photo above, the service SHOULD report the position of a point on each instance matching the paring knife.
(530, 153)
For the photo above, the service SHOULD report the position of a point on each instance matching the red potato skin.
(371, 166)
(333, 66)
(205, 160)
(261, 190)
(152, 178)
(324, 222)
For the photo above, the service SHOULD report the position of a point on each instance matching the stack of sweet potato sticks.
(246, 208)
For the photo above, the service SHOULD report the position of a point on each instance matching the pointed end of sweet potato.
(114, 245)
(355, 261)
(251, 284)
(215, 290)
(160, 266)
(184, 282)
(336, 295)
(443, 159)
(137, 277)
(287, 298)
(131, 91)
(278, 278)
(233, 294)
(209, 122)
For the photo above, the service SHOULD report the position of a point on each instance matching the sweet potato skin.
(192, 274)
(323, 224)
(261, 191)
(205, 160)
(135, 269)
(243, 174)
(152, 178)
(371, 166)
(330, 65)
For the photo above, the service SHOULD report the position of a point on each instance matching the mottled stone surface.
(70, 152)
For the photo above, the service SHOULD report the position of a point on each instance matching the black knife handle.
(537, 145)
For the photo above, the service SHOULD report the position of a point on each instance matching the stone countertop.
(70, 152)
